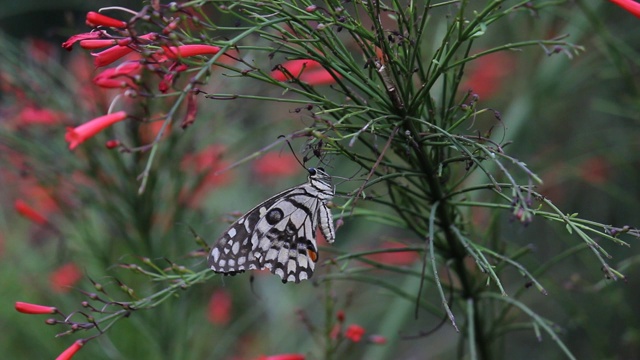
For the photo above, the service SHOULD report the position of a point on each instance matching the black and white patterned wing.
(286, 237)
(279, 234)
(231, 251)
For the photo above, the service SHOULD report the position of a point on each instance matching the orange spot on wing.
(312, 255)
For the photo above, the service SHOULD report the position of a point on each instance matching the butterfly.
(280, 233)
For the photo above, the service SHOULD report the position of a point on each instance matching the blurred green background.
(573, 121)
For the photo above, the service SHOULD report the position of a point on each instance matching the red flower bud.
(354, 333)
(118, 77)
(28, 212)
(76, 136)
(92, 44)
(171, 27)
(27, 308)
(114, 53)
(112, 144)
(110, 55)
(71, 350)
(174, 52)
(97, 19)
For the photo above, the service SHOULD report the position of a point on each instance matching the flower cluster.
(161, 54)
(154, 53)
(164, 55)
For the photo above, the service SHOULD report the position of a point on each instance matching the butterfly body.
(280, 233)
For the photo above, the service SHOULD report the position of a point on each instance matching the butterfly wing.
(280, 233)
(230, 253)
(286, 237)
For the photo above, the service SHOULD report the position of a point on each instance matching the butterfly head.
(320, 179)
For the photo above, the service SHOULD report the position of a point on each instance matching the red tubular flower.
(39, 197)
(114, 53)
(93, 44)
(33, 309)
(175, 52)
(76, 136)
(171, 27)
(34, 116)
(629, 5)
(354, 333)
(219, 310)
(118, 77)
(63, 278)
(67, 45)
(97, 19)
(28, 212)
(168, 80)
(110, 55)
(71, 350)
(283, 357)
(305, 70)
(107, 83)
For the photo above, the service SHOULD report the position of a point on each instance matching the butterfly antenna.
(292, 151)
